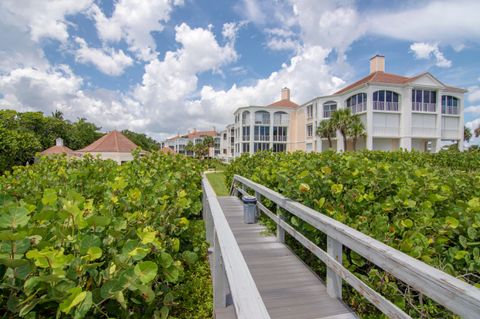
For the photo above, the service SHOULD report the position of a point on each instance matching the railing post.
(207, 219)
(219, 277)
(280, 230)
(334, 282)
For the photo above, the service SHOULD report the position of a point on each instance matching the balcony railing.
(246, 122)
(360, 107)
(280, 122)
(385, 106)
(423, 107)
(327, 114)
(262, 122)
(246, 137)
(279, 138)
(450, 109)
(262, 137)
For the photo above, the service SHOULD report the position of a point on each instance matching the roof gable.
(58, 149)
(426, 79)
(113, 142)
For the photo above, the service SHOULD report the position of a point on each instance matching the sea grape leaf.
(146, 271)
(97, 220)
(166, 260)
(190, 257)
(88, 241)
(49, 197)
(84, 307)
(76, 296)
(94, 253)
(15, 217)
(139, 253)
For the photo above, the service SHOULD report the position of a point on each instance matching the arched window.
(246, 118)
(357, 103)
(450, 104)
(385, 100)
(328, 108)
(280, 118)
(262, 118)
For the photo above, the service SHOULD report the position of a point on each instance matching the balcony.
(262, 122)
(357, 108)
(385, 106)
(246, 137)
(327, 114)
(423, 107)
(280, 122)
(279, 138)
(262, 137)
(246, 122)
(450, 110)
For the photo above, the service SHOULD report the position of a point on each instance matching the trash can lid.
(249, 199)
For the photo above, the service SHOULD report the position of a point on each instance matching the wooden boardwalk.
(287, 286)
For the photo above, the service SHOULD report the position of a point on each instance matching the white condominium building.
(258, 128)
(179, 143)
(412, 113)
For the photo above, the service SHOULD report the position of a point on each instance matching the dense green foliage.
(426, 205)
(90, 238)
(142, 140)
(24, 134)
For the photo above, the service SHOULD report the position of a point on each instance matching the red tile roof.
(111, 142)
(285, 103)
(196, 134)
(382, 77)
(376, 77)
(57, 149)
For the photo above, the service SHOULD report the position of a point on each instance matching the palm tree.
(208, 142)
(326, 129)
(467, 134)
(477, 132)
(341, 121)
(356, 129)
(190, 148)
(57, 114)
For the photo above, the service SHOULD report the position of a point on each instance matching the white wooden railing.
(229, 266)
(454, 294)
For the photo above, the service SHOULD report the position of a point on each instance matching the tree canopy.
(22, 134)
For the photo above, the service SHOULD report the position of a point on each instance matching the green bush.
(90, 238)
(426, 205)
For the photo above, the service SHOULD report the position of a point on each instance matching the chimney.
(377, 63)
(59, 142)
(285, 94)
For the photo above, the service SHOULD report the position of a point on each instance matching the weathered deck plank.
(287, 286)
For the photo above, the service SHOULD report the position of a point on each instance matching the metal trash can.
(249, 209)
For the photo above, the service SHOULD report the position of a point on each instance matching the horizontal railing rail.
(229, 266)
(454, 294)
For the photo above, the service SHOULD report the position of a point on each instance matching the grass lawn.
(217, 180)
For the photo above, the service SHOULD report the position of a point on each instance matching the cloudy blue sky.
(166, 66)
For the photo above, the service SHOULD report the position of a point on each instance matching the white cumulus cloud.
(109, 61)
(425, 51)
(134, 21)
(42, 19)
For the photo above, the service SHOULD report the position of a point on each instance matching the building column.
(339, 142)
(369, 128)
(406, 119)
(438, 125)
(270, 138)
(252, 127)
(461, 126)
